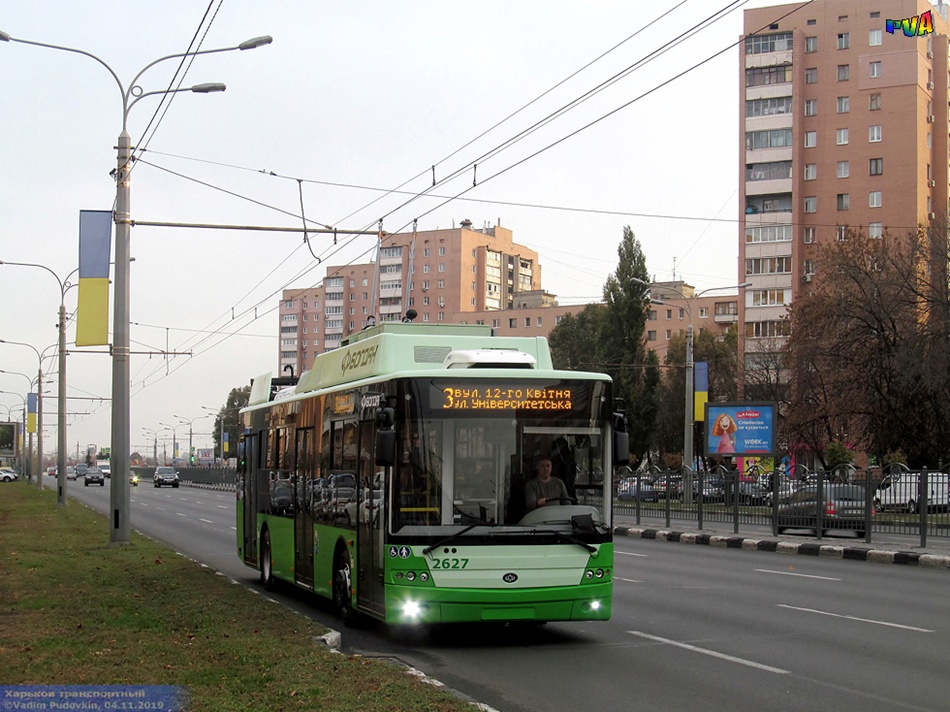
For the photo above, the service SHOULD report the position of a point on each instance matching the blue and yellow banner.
(700, 390)
(95, 247)
(31, 412)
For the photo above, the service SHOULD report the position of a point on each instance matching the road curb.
(851, 553)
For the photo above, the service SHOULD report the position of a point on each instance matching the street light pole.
(24, 434)
(39, 410)
(190, 422)
(119, 490)
(64, 286)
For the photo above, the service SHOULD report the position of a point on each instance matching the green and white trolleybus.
(391, 478)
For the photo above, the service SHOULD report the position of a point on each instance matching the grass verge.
(74, 611)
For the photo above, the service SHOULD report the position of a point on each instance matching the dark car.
(165, 476)
(643, 491)
(843, 507)
(94, 477)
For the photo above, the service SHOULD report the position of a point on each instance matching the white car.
(8, 474)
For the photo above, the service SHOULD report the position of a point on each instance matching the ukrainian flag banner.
(31, 412)
(95, 246)
(701, 392)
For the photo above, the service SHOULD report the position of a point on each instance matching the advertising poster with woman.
(738, 429)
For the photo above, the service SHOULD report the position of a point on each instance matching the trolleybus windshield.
(469, 446)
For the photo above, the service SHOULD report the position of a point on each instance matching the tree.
(573, 341)
(623, 352)
(868, 350)
(237, 399)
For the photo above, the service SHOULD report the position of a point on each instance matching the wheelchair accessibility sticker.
(399, 552)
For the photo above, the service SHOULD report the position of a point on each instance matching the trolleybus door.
(370, 522)
(303, 508)
(251, 461)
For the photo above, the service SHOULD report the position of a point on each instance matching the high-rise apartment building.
(844, 121)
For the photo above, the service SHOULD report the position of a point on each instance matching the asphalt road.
(693, 628)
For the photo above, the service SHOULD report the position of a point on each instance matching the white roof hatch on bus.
(489, 358)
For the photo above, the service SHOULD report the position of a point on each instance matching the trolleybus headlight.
(600, 573)
(411, 609)
(424, 576)
(411, 576)
(588, 574)
(595, 605)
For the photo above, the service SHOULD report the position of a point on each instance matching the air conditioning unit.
(932, 216)
(933, 183)
(806, 277)
(931, 119)
(930, 86)
(930, 54)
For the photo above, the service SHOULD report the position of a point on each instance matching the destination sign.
(507, 397)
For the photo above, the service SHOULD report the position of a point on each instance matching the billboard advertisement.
(9, 440)
(740, 429)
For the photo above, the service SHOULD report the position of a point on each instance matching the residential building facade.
(843, 127)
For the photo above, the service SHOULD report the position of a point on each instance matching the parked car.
(903, 492)
(165, 476)
(8, 474)
(71, 473)
(752, 493)
(668, 485)
(94, 476)
(645, 492)
(843, 507)
(785, 490)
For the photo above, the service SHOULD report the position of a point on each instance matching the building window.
(874, 38)
(762, 44)
(811, 204)
(766, 233)
(811, 22)
(876, 166)
(874, 102)
(808, 237)
(774, 138)
(762, 76)
(841, 137)
(874, 133)
(844, 104)
(811, 171)
(651, 336)
(769, 106)
(844, 72)
(844, 40)
(441, 284)
(811, 44)
(441, 266)
(811, 139)
(843, 169)
(875, 69)
(843, 201)
(811, 107)
(811, 75)
(441, 252)
(768, 171)
(876, 230)
(841, 233)
(874, 199)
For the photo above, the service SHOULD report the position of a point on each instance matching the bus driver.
(544, 489)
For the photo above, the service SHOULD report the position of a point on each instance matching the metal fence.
(873, 501)
(215, 475)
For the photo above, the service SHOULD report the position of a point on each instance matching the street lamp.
(174, 429)
(154, 434)
(220, 413)
(29, 456)
(119, 490)
(39, 410)
(688, 416)
(64, 286)
(190, 421)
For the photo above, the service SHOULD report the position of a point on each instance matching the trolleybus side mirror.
(621, 453)
(385, 437)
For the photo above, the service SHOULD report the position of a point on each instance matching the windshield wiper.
(567, 538)
(451, 537)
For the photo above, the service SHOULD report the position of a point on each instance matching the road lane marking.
(792, 573)
(711, 653)
(855, 618)
(180, 514)
(627, 553)
(617, 578)
(206, 520)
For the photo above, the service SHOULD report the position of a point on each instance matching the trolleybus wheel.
(343, 589)
(267, 563)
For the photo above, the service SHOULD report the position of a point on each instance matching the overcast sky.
(350, 100)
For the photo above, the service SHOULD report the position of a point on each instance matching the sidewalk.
(884, 548)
